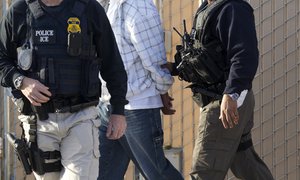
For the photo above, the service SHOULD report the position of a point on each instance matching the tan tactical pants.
(215, 148)
(76, 136)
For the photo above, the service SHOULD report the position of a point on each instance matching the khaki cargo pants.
(76, 136)
(215, 148)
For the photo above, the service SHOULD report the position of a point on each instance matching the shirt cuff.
(117, 109)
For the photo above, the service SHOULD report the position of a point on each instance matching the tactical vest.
(62, 54)
(212, 63)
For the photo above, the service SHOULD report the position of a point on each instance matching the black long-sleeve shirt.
(235, 28)
(13, 34)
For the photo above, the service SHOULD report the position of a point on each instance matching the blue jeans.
(142, 143)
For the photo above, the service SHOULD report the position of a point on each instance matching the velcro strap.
(51, 155)
(52, 167)
(79, 7)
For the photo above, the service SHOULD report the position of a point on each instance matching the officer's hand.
(167, 104)
(116, 126)
(228, 113)
(35, 91)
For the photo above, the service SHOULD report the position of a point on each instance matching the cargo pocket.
(95, 132)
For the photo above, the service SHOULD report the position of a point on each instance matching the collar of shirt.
(112, 9)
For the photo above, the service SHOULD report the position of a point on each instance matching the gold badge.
(74, 25)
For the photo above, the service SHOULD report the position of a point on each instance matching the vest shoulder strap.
(79, 7)
(36, 9)
(208, 14)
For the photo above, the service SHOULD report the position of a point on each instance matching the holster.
(38, 161)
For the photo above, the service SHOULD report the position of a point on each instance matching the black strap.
(51, 72)
(52, 167)
(210, 10)
(77, 107)
(79, 7)
(51, 155)
(197, 89)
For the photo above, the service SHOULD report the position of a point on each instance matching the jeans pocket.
(95, 132)
(158, 138)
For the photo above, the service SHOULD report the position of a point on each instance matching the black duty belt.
(67, 105)
(203, 96)
(61, 106)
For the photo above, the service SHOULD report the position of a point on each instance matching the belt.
(68, 105)
(203, 96)
(61, 106)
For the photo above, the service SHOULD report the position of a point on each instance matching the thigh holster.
(39, 158)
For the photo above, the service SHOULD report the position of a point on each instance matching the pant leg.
(48, 140)
(113, 160)
(80, 145)
(144, 141)
(75, 135)
(216, 146)
(248, 165)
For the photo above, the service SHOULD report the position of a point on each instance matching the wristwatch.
(234, 96)
(19, 82)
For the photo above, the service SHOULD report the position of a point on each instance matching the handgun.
(21, 150)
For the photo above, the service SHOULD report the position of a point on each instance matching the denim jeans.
(142, 143)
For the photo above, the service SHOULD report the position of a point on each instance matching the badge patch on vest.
(74, 25)
(74, 37)
(44, 36)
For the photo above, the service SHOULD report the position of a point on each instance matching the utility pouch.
(89, 81)
(25, 57)
(39, 165)
(74, 44)
(21, 102)
(199, 67)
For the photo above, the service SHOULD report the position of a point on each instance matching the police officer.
(51, 52)
(219, 58)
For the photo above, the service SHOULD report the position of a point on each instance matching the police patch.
(44, 36)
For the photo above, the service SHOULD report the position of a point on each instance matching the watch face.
(18, 82)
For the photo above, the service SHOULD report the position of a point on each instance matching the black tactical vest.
(210, 46)
(63, 53)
